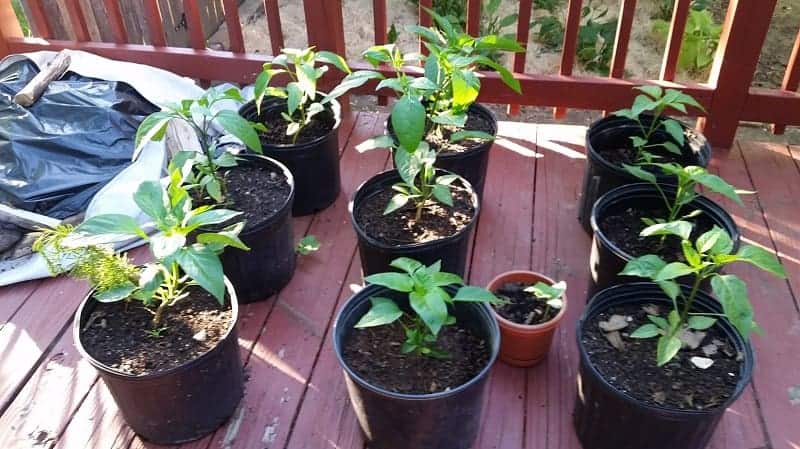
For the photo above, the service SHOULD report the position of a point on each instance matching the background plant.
(199, 114)
(700, 40)
(705, 258)
(595, 41)
(549, 31)
(429, 302)
(655, 102)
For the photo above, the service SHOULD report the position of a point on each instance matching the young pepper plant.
(551, 295)
(178, 264)
(429, 302)
(656, 101)
(198, 114)
(302, 97)
(705, 257)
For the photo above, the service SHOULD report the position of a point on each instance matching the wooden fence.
(727, 95)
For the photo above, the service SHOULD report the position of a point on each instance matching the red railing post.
(325, 28)
(9, 27)
(743, 34)
(791, 79)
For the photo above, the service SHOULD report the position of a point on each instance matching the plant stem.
(690, 300)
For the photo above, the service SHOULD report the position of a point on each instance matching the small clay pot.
(525, 345)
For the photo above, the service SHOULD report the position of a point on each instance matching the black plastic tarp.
(56, 154)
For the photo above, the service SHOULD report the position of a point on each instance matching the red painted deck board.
(51, 398)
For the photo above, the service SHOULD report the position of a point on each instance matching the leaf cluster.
(595, 41)
(705, 258)
(700, 39)
(552, 295)
(430, 303)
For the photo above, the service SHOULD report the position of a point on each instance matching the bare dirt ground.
(643, 62)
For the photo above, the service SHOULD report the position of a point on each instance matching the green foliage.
(655, 101)
(550, 31)
(430, 303)
(553, 295)
(21, 18)
(704, 259)
(549, 5)
(700, 40)
(307, 245)
(198, 113)
(664, 8)
(596, 39)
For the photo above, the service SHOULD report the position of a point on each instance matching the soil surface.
(439, 137)
(258, 191)
(522, 307)
(623, 230)
(618, 149)
(678, 384)
(116, 334)
(374, 354)
(401, 227)
(320, 125)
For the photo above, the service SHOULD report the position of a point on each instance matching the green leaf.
(761, 258)
(692, 256)
(203, 266)
(646, 331)
(673, 270)
(732, 294)
(376, 142)
(240, 128)
(431, 306)
(675, 130)
(668, 347)
(647, 266)
(670, 288)
(406, 264)
(294, 97)
(442, 194)
(351, 81)
(408, 122)
(640, 173)
(209, 217)
(465, 89)
(115, 294)
(470, 293)
(494, 42)
(395, 281)
(714, 183)
(224, 238)
(398, 200)
(700, 323)
(546, 291)
(679, 228)
(307, 245)
(152, 128)
(672, 148)
(478, 135)
(164, 246)
(653, 91)
(659, 321)
(111, 224)
(408, 166)
(153, 201)
(448, 118)
(641, 104)
(440, 279)
(715, 241)
(383, 311)
(335, 60)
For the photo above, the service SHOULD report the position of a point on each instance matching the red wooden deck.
(295, 396)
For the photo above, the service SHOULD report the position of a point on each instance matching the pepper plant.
(178, 264)
(303, 100)
(705, 257)
(655, 101)
(200, 116)
(430, 303)
(551, 295)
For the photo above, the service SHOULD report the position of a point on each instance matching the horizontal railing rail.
(727, 96)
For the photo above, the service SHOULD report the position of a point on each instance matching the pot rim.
(393, 173)
(643, 289)
(642, 188)
(363, 295)
(76, 331)
(287, 205)
(336, 108)
(549, 324)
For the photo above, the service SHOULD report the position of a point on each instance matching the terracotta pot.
(525, 344)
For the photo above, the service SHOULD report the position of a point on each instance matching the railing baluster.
(674, 39)
(235, 37)
(379, 16)
(194, 22)
(474, 17)
(791, 78)
(523, 31)
(570, 44)
(627, 10)
(274, 23)
(39, 19)
(155, 24)
(78, 20)
(424, 20)
(116, 21)
(9, 27)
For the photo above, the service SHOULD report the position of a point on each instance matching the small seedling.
(704, 259)
(552, 295)
(307, 245)
(156, 333)
(656, 101)
(429, 303)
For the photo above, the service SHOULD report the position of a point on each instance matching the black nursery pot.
(473, 163)
(270, 263)
(602, 176)
(449, 419)
(607, 259)
(606, 418)
(376, 255)
(184, 403)
(315, 164)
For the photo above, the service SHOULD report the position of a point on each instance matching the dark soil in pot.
(258, 191)
(122, 337)
(522, 307)
(374, 354)
(319, 126)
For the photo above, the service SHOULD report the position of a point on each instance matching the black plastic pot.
(473, 163)
(449, 419)
(606, 418)
(269, 264)
(602, 176)
(607, 259)
(376, 255)
(182, 404)
(315, 164)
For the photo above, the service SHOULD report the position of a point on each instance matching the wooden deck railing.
(727, 95)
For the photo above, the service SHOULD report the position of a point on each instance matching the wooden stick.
(34, 89)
